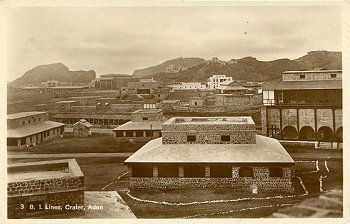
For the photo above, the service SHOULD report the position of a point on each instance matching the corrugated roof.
(266, 150)
(297, 85)
(32, 129)
(144, 125)
(24, 114)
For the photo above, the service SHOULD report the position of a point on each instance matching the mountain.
(322, 59)
(185, 62)
(57, 71)
(251, 69)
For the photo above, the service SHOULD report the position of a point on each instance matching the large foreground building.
(305, 105)
(27, 129)
(44, 188)
(212, 152)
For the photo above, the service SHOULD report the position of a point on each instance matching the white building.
(187, 86)
(216, 80)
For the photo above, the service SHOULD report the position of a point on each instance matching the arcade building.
(212, 152)
(305, 105)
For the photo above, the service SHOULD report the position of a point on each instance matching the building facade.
(28, 129)
(305, 105)
(145, 124)
(82, 128)
(216, 80)
(187, 86)
(212, 152)
(46, 188)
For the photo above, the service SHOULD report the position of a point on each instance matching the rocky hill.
(251, 69)
(57, 71)
(186, 62)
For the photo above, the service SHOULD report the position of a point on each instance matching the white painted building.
(187, 86)
(216, 80)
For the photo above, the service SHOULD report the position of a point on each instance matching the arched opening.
(289, 132)
(325, 134)
(339, 134)
(306, 133)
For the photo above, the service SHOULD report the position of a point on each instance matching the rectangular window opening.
(191, 138)
(225, 138)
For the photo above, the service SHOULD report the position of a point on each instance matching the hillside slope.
(57, 71)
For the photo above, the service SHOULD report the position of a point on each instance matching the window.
(276, 172)
(119, 134)
(145, 118)
(194, 171)
(191, 138)
(225, 138)
(168, 171)
(302, 76)
(149, 133)
(142, 171)
(29, 121)
(139, 133)
(129, 133)
(246, 172)
(333, 75)
(24, 122)
(195, 103)
(221, 171)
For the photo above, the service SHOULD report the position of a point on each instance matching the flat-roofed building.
(45, 188)
(304, 105)
(212, 152)
(216, 80)
(187, 86)
(145, 124)
(26, 129)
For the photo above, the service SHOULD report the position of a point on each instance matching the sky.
(123, 39)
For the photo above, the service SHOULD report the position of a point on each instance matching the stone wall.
(26, 121)
(311, 76)
(208, 133)
(236, 137)
(44, 186)
(236, 101)
(261, 180)
(138, 117)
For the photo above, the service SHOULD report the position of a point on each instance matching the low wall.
(243, 184)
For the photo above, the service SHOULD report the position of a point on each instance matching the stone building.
(232, 87)
(216, 80)
(26, 129)
(212, 152)
(187, 86)
(82, 128)
(145, 124)
(113, 82)
(45, 188)
(305, 105)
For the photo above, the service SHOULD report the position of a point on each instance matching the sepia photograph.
(174, 111)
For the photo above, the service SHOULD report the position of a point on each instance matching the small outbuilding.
(82, 128)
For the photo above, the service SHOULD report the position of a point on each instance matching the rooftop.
(23, 114)
(266, 150)
(147, 111)
(43, 170)
(28, 130)
(143, 125)
(297, 85)
(209, 120)
(66, 101)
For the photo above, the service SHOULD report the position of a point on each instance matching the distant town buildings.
(113, 81)
(45, 188)
(216, 80)
(175, 69)
(305, 105)
(212, 152)
(27, 129)
(187, 86)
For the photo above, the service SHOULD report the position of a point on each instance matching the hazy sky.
(120, 40)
